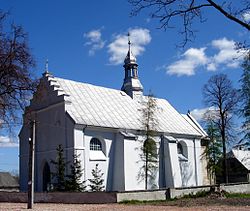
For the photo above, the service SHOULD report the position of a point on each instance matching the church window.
(179, 148)
(182, 151)
(95, 144)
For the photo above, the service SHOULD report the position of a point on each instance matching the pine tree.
(245, 100)
(74, 181)
(213, 151)
(59, 174)
(96, 184)
(149, 155)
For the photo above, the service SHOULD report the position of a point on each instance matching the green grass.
(199, 194)
(196, 195)
(237, 195)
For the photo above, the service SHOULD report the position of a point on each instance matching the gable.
(48, 93)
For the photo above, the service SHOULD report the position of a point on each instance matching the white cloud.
(246, 16)
(191, 60)
(200, 114)
(226, 56)
(118, 48)
(6, 141)
(95, 41)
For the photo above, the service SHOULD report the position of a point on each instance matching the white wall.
(53, 128)
(132, 164)
(107, 138)
(118, 178)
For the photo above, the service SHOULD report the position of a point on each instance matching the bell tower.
(131, 83)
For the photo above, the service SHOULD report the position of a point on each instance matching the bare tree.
(219, 93)
(16, 79)
(188, 11)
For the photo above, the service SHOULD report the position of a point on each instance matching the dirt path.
(116, 207)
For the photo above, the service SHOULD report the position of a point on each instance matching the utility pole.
(31, 166)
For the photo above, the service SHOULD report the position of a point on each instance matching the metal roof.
(242, 156)
(105, 107)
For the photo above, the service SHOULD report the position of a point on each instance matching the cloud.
(191, 60)
(205, 113)
(246, 16)
(95, 41)
(5, 141)
(117, 49)
(225, 55)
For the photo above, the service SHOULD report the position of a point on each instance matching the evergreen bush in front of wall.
(96, 184)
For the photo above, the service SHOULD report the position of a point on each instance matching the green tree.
(74, 181)
(219, 93)
(17, 82)
(213, 151)
(96, 184)
(60, 166)
(245, 99)
(149, 155)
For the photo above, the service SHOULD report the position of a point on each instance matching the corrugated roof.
(191, 120)
(242, 156)
(7, 180)
(105, 107)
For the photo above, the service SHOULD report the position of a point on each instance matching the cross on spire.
(129, 42)
(47, 66)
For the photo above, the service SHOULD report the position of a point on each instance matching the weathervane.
(129, 43)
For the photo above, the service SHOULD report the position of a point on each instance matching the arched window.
(95, 144)
(149, 147)
(182, 151)
(179, 148)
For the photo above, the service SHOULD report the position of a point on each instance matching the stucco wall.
(118, 178)
(107, 139)
(53, 127)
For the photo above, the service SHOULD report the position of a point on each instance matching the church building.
(104, 126)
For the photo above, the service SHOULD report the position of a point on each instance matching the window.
(97, 149)
(182, 151)
(149, 147)
(95, 145)
(179, 148)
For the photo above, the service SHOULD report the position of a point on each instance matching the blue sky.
(86, 41)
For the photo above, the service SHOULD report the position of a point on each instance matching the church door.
(46, 177)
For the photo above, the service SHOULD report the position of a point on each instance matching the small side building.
(238, 164)
(8, 182)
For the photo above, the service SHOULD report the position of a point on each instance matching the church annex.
(103, 126)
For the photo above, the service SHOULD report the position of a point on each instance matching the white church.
(104, 127)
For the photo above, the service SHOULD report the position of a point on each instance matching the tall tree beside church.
(245, 99)
(219, 93)
(60, 166)
(16, 79)
(213, 150)
(74, 179)
(149, 155)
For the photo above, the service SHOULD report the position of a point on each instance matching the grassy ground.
(200, 199)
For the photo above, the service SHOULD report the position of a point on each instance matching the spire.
(129, 43)
(130, 58)
(46, 69)
(47, 66)
(131, 85)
